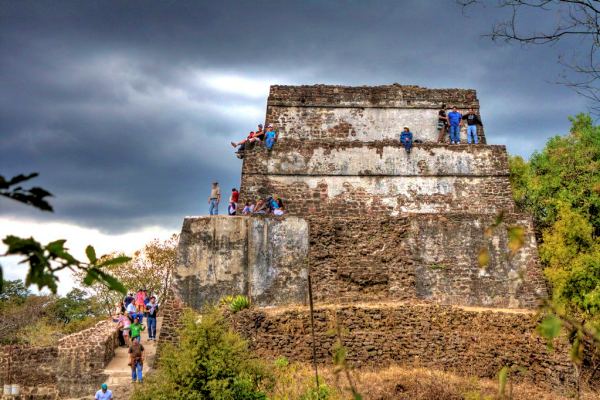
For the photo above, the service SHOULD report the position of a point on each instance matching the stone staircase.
(119, 373)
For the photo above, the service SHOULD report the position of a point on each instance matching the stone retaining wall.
(33, 368)
(83, 356)
(469, 342)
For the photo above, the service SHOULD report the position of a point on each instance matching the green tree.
(14, 292)
(211, 362)
(75, 306)
(560, 186)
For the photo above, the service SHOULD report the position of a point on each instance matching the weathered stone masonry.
(393, 240)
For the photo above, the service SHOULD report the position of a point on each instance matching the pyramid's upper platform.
(363, 113)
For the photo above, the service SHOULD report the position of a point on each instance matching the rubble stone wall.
(380, 158)
(362, 113)
(425, 257)
(33, 368)
(83, 356)
(470, 342)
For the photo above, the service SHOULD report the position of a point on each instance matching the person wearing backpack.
(136, 360)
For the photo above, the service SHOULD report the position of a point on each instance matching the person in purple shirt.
(455, 121)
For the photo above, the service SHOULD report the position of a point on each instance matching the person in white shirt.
(103, 393)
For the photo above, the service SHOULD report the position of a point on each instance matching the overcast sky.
(127, 108)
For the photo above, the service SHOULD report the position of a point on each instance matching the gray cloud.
(124, 107)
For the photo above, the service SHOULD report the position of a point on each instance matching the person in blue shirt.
(406, 138)
(270, 137)
(455, 121)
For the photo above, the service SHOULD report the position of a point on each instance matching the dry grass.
(395, 383)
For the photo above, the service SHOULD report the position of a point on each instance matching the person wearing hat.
(270, 137)
(214, 199)
(406, 138)
(103, 393)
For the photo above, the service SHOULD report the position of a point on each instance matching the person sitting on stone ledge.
(276, 205)
(406, 138)
(248, 208)
(261, 207)
(271, 137)
(253, 137)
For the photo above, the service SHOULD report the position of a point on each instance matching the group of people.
(272, 204)
(130, 316)
(452, 121)
(269, 205)
(268, 137)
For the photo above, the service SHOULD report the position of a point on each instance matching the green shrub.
(312, 393)
(211, 362)
(239, 303)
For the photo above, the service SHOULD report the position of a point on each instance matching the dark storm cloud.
(127, 108)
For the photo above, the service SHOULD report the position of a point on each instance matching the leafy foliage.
(560, 186)
(46, 260)
(239, 303)
(14, 293)
(211, 362)
(150, 268)
(34, 197)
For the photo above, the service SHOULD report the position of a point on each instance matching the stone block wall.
(379, 178)
(34, 368)
(83, 356)
(263, 258)
(464, 341)
(362, 113)
(425, 257)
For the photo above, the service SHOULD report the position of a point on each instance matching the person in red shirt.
(233, 201)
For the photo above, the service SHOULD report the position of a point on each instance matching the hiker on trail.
(472, 121)
(151, 311)
(139, 301)
(214, 199)
(136, 329)
(271, 137)
(103, 393)
(128, 299)
(406, 138)
(442, 124)
(455, 120)
(123, 324)
(136, 360)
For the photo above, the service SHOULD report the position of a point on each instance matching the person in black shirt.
(442, 124)
(472, 121)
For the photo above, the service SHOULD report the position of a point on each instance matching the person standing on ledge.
(455, 120)
(103, 393)
(406, 138)
(472, 121)
(442, 124)
(214, 199)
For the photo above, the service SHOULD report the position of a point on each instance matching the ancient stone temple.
(391, 240)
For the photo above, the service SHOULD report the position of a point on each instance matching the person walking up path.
(214, 199)
(103, 393)
(455, 120)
